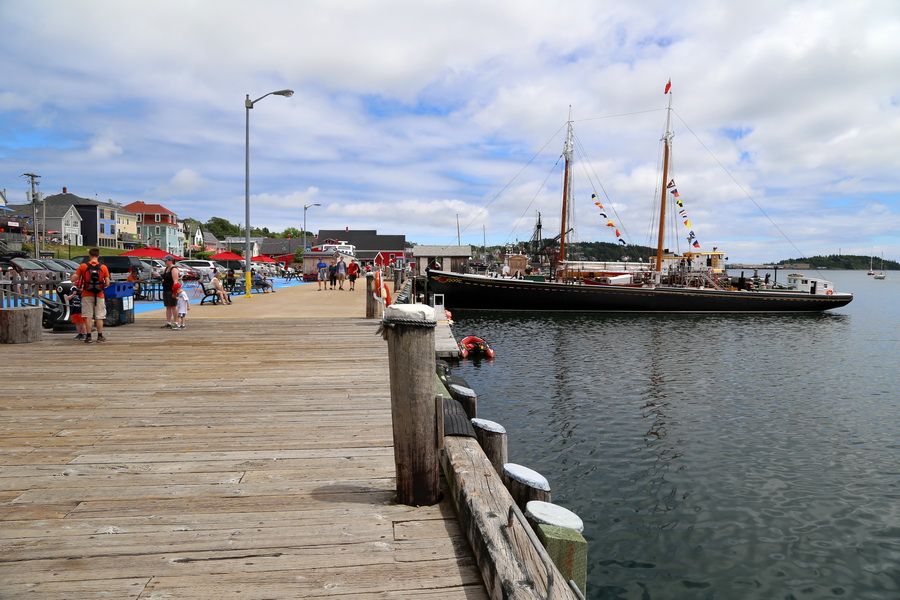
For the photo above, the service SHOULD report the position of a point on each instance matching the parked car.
(69, 264)
(188, 273)
(29, 269)
(120, 266)
(205, 268)
(155, 270)
(63, 272)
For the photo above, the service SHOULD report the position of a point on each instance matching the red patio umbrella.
(151, 252)
(263, 259)
(226, 256)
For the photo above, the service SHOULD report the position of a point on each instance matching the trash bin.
(119, 304)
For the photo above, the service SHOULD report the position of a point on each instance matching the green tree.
(222, 228)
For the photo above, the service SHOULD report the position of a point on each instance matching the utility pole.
(34, 219)
(458, 242)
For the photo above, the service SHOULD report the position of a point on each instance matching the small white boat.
(880, 274)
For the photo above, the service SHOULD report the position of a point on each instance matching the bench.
(256, 286)
(263, 285)
(209, 293)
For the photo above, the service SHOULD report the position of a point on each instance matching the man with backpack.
(92, 278)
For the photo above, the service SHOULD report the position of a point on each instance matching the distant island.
(605, 251)
(839, 262)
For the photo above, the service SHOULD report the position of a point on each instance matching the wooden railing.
(25, 291)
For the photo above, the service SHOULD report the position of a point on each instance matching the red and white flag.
(668, 87)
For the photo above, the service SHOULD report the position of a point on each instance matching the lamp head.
(285, 93)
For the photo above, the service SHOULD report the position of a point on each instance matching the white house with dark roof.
(450, 258)
(57, 220)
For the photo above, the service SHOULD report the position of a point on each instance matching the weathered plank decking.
(237, 458)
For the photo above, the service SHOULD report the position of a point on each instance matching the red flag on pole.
(668, 87)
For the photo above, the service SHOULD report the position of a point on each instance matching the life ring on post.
(377, 289)
(387, 295)
(829, 292)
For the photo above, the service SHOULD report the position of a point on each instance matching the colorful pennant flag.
(692, 237)
(668, 87)
(609, 222)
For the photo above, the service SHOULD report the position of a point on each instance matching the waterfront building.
(158, 226)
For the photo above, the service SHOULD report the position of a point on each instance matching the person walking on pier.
(322, 274)
(92, 278)
(171, 276)
(341, 273)
(352, 273)
(332, 274)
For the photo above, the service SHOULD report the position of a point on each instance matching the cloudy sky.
(408, 113)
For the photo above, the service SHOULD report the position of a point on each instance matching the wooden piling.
(560, 531)
(525, 485)
(492, 439)
(409, 331)
(465, 396)
(20, 325)
(370, 298)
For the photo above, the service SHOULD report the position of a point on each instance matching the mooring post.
(20, 324)
(409, 331)
(465, 396)
(370, 299)
(492, 439)
(560, 531)
(525, 485)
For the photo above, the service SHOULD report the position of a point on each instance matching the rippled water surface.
(713, 456)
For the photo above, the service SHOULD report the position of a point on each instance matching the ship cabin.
(711, 262)
(810, 285)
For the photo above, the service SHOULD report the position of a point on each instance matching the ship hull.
(473, 292)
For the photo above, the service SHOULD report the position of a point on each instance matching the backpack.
(92, 280)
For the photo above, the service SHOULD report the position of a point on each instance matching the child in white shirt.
(184, 304)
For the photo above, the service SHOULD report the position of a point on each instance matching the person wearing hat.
(170, 277)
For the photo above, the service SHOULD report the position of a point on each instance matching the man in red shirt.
(92, 278)
(352, 273)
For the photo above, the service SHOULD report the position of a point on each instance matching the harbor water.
(712, 456)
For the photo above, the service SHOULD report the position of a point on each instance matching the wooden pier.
(247, 456)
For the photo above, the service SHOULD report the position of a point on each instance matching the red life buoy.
(829, 292)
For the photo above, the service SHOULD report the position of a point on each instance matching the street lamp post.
(248, 104)
(305, 208)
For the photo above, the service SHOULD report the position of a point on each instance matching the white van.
(206, 268)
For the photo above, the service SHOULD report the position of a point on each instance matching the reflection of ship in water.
(658, 407)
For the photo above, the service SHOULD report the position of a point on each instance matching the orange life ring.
(387, 296)
(829, 292)
(378, 284)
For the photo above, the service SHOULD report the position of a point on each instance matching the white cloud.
(406, 113)
(104, 147)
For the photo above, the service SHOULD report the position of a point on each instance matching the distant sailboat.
(880, 275)
(871, 258)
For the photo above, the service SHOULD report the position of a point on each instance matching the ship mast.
(567, 177)
(667, 140)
